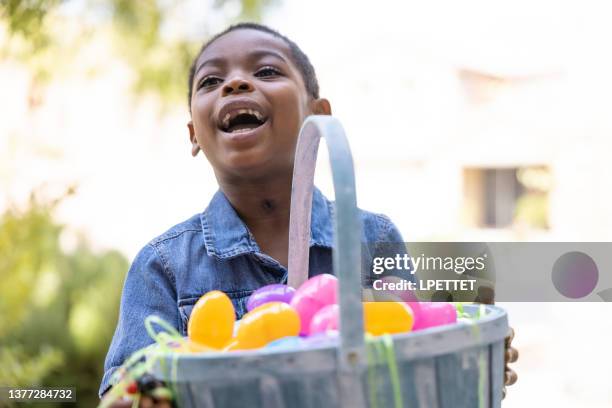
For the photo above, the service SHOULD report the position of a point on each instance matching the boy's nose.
(236, 86)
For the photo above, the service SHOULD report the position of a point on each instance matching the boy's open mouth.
(242, 120)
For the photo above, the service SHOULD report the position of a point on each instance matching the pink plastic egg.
(416, 313)
(432, 314)
(405, 295)
(314, 294)
(325, 319)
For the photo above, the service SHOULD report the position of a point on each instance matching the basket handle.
(347, 234)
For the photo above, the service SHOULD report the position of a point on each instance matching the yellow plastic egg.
(212, 320)
(264, 324)
(190, 346)
(387, 317)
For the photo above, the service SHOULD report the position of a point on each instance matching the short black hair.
(299, 58)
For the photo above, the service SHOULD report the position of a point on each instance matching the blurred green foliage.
(250, 10)
(26, 17)
(532, 206)
(162, 65)
(58, 310)
(532, 210)
(160, 62)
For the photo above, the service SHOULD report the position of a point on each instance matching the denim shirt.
(215, 250)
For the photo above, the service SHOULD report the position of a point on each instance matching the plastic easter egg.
(270, 293)
(387, 317)
(190, 346)
(212, 320)
(314, 294)
(283, 343)
(232, 345)
(395, 287)
(324, 338)
(416, 312)
(325, 319)
(320, 339)
(264, 324)
(432, 314)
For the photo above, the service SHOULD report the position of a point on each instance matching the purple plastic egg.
(270, 293)
(326, 338)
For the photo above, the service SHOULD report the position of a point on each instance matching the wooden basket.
(454, 366)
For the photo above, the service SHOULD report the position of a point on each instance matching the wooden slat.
(271, 393)
(484, 377)
(200, 396)
(457, 378)
(426, 383)
(497, 373)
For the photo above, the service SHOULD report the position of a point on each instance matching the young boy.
(250, 89)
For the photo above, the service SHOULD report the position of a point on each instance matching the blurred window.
(505, 197)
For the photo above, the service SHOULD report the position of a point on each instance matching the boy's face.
(249, 101)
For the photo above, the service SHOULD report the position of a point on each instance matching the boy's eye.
(267, 72)
(209, 81)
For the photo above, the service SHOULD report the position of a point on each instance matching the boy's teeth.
(256, 114)
(250, 112)
(241, 130)
(229, 116)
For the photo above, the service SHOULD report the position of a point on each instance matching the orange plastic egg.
(190, 346)
(212, 320)
(264, 324)
(387, 317)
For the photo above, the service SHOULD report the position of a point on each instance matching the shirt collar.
(226, 235)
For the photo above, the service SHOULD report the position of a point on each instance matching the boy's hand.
(510, 356)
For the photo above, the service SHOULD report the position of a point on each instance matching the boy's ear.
(195, 147)
(321, 106)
